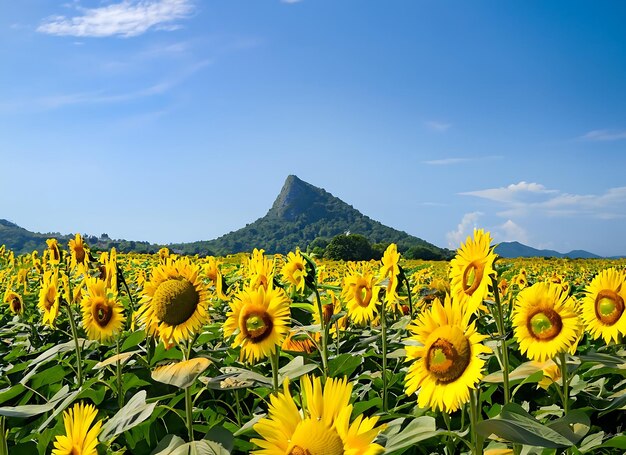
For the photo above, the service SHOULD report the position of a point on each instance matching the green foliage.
(350, 247)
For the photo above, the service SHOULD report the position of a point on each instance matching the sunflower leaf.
(515, 425)
(181, 374)
(131, 415)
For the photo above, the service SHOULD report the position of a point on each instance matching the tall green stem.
(565, 380)
(118, 371)
(477, 442)
(79, 360)
(274, 360)
(323, 333)
(408, 292)
(383, 325)
(188, 401)
(504, 354)
(4, 447)
(189, 412)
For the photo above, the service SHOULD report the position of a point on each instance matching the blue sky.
(178, 120)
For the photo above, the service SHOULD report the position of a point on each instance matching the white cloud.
(510, 231)
(522, 199)
(463, 229)
(513, 192)
(439, 127)
(290, 2)
(128, 18)
(604, 135)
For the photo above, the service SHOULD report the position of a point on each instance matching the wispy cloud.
(463, 229)
(604, 135)
(512, 193)
(126, 19)
(450, 161)
(522, 199)
(446, 161)
(439, 127)
(102, 97)
(290, 2)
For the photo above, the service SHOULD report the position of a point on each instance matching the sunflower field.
(104, 353)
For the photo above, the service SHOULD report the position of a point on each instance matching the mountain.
(519, 250)
(301, 214)
(21, 240)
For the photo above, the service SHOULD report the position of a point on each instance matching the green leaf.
(168, 444)
(123, 358)
(222, 436)
(132, 414)
(294, 369)
(200, 448)
(181, 374)
(247, 427)
(515, 425)
(618, 442)
(344, 364)
(519, 374)
(31, 410)
(133, 339)
(574, 426)
(417, 430)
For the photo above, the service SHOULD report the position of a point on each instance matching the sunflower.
(603, 306)
(16, 304)
(299, 341)
(545, 321)
(49, 296)
(361, 295)
(80, 257)
(390, 271)
(447, 359)
(471, 271)
(322, 427)
(294, 270)
(53, 252)
(79, 439)
(259, 318)
(260, 270)
(174, 304)
(328, 311)
(102, 311)
(213, 273)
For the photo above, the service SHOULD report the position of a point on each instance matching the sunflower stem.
(274, 360)
(383, 325)
(4, 448)
(477, 442)
(238, 406)
(79, 363)
(501, 334)
(131, 311)
(565, 381)
(189, 412)
(408, 292)
(118, 370)
(323, 333)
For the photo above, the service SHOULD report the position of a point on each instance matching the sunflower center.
(447, 360)
(545, 325)
(472, 276)
(50, 297)
(257, 326)
(609, 306)
(102, 313)
(363, 295)
(175, 301)
(16, 304)
(312, 437)
(80, 254)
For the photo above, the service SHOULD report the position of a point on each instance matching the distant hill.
(519, 250)
(22, 240)
(301, 214)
